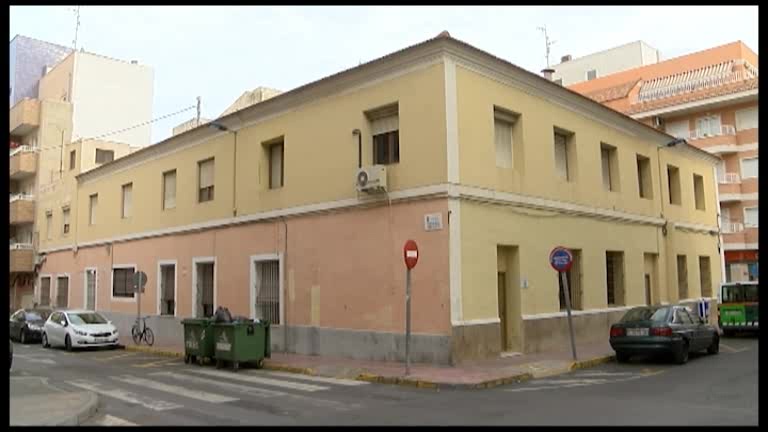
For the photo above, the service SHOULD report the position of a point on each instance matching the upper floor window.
(563, 150)
(645, 185)
(65, 220)
(276, 164)
(678, 129)
(673, 183)
(93, 203)
(749, 167)
(104, 156)
(609, 161)
(698, 192)
(591, 74)
(746, 119)
(72, 159)
(751, 218)
(708, 126)
(385, 128)
(169, 190)
(48, 225)
(205, 180)
(503, 123)
(127, 200)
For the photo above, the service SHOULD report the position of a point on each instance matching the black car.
(26, 325)
(672, 330)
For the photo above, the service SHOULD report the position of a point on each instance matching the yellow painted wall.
(320, 160)
(686, 211)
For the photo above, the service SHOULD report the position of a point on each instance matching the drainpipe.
(359, 147)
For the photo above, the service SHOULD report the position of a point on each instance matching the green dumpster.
(241, 342)
(198, 340)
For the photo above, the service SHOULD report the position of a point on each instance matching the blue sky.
(220, 52)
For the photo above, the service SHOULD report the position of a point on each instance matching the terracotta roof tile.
(612, 93)
(695, 96)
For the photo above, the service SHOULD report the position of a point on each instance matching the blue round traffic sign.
(561, 259)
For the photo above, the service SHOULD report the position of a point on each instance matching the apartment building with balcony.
(485, 165)
(710, 99)
(29, 60)
(80, 97)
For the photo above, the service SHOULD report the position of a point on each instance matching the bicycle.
(145, 333)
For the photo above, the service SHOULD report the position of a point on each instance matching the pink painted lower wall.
(343, 270)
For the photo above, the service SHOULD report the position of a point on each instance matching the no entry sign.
(410, 254)
(561, 259)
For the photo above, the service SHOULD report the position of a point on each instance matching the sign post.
(411, 256)
(561, 259)
(139, 281)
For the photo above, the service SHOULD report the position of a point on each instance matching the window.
(614, 282)
(698, 192)
(205, 180)
(678, 129)
(750, 217)
(591, 74)
(644, 177)
(104, 156)
(62, 292)
(708, 126)
(45, 291)
(48, 226)
(267, 286)
(705, 276)
(276, 165)
(169, 190)
(72, 159)
(610, 166)
(746, 119)
(673, 183)
(682, 277)
(127, 200)
(561, 155)
(122, 282)
(168, 289)
(503, 121)
(92, 205)
(749, 168)
(65, 220)
(385, 128)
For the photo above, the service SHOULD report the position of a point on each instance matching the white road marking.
(109, 420)
(156, 363)
(524, 389)
(155, 405)
(339, 381)
(257, 380)
(255, 391)
(175, 390)
(567, 381)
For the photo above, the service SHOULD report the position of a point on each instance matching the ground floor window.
(45, 291)
(268, 290)
(614, 282)
(122, 282)
(204, 286)
(168, 289)
(62, 291)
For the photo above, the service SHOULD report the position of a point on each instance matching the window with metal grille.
(614, 272)
(104, 156)
(268, 291)
(90, 288)
(122, 282)
(705, 276)
(168, 289)
(682, 277)
(205, 178)
(45, 291)
(62, 292)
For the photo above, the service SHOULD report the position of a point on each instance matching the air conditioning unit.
(371, 178)
(658, 121)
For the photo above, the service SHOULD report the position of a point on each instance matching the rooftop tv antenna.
(547, 42)
(77, 25)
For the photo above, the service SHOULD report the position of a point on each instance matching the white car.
(78, 329)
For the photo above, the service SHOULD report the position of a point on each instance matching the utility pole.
(198, 112)
(548, 43)
(77, 26)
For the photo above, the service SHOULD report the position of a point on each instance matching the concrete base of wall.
(551, 334)
(475, 342)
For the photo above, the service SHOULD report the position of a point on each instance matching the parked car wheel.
(68, 344)
(714, 348)
(22, 337)
(622, 357)
(681, 356)
(45, 341)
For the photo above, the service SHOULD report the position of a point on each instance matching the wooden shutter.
(94, 202)
(385, 124)
(169, 190)
(503, 141)
(127, 199)
(206, 173)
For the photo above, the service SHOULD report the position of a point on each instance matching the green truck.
(738, 307)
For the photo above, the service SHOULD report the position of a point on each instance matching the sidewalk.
(34, 402)
(478, 374)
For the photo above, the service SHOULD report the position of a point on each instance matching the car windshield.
(646, 314)
(87, 318)
(35, 316)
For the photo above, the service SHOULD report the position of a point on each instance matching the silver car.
(73, 329)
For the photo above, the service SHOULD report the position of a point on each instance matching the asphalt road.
(141, 389)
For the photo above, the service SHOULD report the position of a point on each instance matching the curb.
(432, 385)
(88, 411)
(290, 369)
(153, 351)
(585, 364)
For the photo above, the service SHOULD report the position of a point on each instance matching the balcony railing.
(729, 178)
(20, 246)
(21, 149)
(732, 227)
(22, 197)
(693, 80)
(708, 133)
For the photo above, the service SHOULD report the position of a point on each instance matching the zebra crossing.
(582, 379)
(193, 388)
